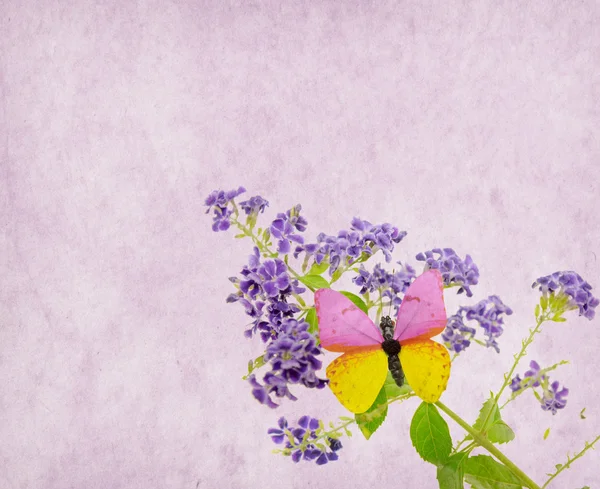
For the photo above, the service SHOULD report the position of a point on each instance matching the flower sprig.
(276, 294)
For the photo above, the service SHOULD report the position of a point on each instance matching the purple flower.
(292, 356)
(487, 313)
(301, 442)
(554, 399)
(218, 201)
(349, 246)
(571, 284)
(534, 374)
(454, 270)
(283, 228)
(263, 290)
(532, 378)
(388, 284)
(516, 383)
(254, 205)
(457, 336)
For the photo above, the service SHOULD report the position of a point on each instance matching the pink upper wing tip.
(342, 325)
(422, 313)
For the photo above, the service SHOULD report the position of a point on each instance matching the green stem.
(571, 460)
(485, 443)
(521, 354)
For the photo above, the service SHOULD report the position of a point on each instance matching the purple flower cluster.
(348, 246)
(284, 226)
(457, 336)
(532, 378)
(571, 284)
(454, 270)
(487, 313)
(264, 289)
(389, 284)
(552, 399)
(218, 201)
(292, 356)
(305, 437)
(254, 205)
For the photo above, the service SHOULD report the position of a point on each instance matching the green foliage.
(314, 281)
(373, 418)
(357, 301)
(313, 321)
(451, 474)
(253, 365)
(490, 424)
(430, 434)
(391, 388)
(483, 472)
(318, 268)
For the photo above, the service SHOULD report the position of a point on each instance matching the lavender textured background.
(471, 125)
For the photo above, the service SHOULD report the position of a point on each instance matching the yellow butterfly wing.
(357, 377)
(426, 365)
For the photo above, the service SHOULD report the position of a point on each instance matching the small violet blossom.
(264, 290)
(487, 313)
(218, 201)
(457, 336)
(454, 270)
(347, 247)
(572, 285)
(284, 226)
(532, 378)
(388, 284)
(552, 398)
(302, 448)
(254, 205)
(292, 356)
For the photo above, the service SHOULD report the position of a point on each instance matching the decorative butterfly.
(357, 376)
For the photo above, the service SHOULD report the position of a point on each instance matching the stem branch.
(485, 443)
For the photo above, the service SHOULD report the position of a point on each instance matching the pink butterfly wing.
(422, 313)
(342, 325)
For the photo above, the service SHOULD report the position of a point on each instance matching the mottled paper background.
(470, 125)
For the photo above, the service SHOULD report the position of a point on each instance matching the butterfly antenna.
(391, 300)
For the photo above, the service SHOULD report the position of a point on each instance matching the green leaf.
(312, 320)
(500, 432)
(581, 414)
(336, 275)
(318, 268)
(391, 388)
(544, 302)
(483, 472)
(546, 433)
(238, 236)
(314, 281)
(489, 423)
(451, 474)
(537, 311)
(373, 418)
(489, 413)
(558, 319)
(358, 302)
(254, 364)
(430, 434)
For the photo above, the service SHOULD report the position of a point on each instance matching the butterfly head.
(387, 327)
